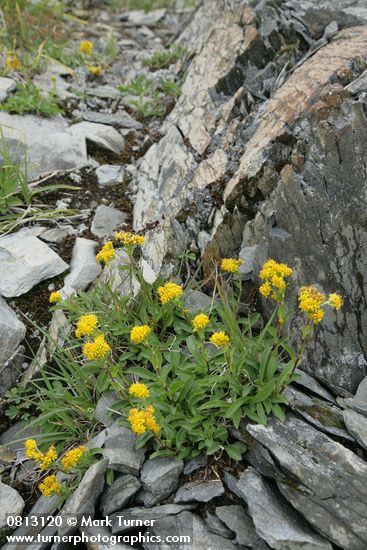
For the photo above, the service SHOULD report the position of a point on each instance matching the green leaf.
(235, 406)
(264, 392)
(236, 450)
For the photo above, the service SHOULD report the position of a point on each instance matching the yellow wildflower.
(335, 301)
(31, 450)
(86, 325)
(107, 253)
(150, 419)
(97, 349)
(139, 333)
(139, 390)
(273, 274)
(95, 70)
(86, 47)
(168, 292)
(72, 457)
(49, 486)
(48, 458)
(137, 421)
(265, 289)
(200, 321)
(55, 297)
(231, 265)
(129, 239)
(12, 61)
(310, 301)
(219, 339)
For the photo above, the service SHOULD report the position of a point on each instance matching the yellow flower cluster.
(107, 253)
(86, 47)
(311, 302)
(273, 274)
(335, 301)
(139, 333)
(219, 339)
(200, 321)
(44, 459)
(50, 486)
(86, 325)
(129, 239)
(95, 70)
(143, 420)
(55, 297)
(71, 458)
(230, 264)
(12, 61)
(97, 349)
(169, 292)
(139, 390)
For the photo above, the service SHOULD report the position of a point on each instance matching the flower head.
(48, 458)
(107, 253)
(71, 458)
(55, 297)
(95, 70)
(200, 321)
(219, 339)
(150, 419)
(86, 325)
(143, 420)
(230, 264)
(12, 61)
(311, 301)
(97, 349)
(129, 239)
(139, 390)
(169, 292)
(274, 274)
(31, 450)
(335, 301)
(49, 486)
(139, 333)
(86, 47)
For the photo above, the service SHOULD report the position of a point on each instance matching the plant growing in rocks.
(181, 379)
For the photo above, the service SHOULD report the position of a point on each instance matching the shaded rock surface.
(159, 477)
(12, 503)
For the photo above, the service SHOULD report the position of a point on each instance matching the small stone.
(102, 135)
(236, 519)
(217, 527)
(120, 449)
(249, 256)
(160, 477)
(197, 301)
(12, 503)
(103, 412)
(139, 18)
(114, 119)
(122, 525)
(357, 426)
(56, 234)
(202, 492)
(118, 495)
(109, 174)
(12, 331)
(84, 268)
(25, 261)
(14, 437)
(194, 464)
(106, 220)
(7, 85)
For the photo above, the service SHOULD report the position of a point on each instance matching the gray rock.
(7, 85)
(139, 18)
(361, 393)
(236, 519)
(106, 220)
(319, 413)
(115, 119)
(189, 525)
(202, 492)
(121, 521)
(56, 234)
(105, 92)
(118, 495)
(84, 268)
(310, 383)
(120, 449)
(217, 527)
(357, 426)
(11, 370)
(82, 501)
(15, 436)
(249, 256)
(25, 261)
(103, 412)
(109, 174)
(322, 479)
(98, 537)
(195, 464)
(159, 477)
(100, 134)
(11, 503)
(12, 331)
(274, 519)
(49, 145)
(197, 301)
